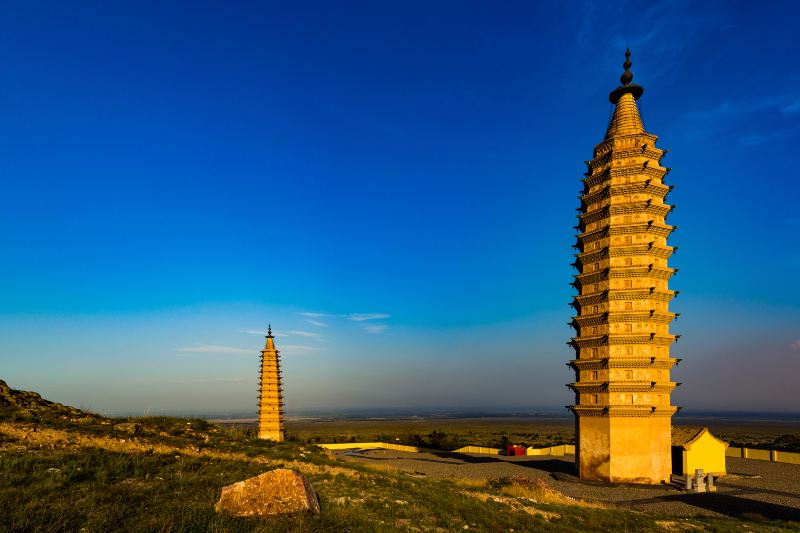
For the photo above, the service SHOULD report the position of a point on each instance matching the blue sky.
(391, 184)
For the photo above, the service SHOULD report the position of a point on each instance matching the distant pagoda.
(622, 390)
(270, 393)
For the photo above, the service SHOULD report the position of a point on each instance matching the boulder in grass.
(272, 493)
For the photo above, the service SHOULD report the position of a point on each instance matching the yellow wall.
(764, 455)
(705, 452)
(787, 457)
(478, 449)
(370, 446)
(538, 451)
(563, 449)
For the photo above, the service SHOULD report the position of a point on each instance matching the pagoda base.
(624, 449)
(274, 435)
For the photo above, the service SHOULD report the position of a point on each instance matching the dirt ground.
(752, 489)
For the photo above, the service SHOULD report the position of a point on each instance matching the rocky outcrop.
(272, 493)
(31, 404)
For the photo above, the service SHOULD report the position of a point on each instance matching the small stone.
(53, 470)
(276, 492)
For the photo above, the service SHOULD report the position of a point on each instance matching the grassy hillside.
(63, 469)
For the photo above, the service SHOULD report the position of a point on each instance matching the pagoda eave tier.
(623, 142)
(657, 295)
(650, 251)
(647, 151)
(617, 386)
(624, 363)
(638, 228)
(628, 271)
(635, 171)
(623, 317)
(634, 208)
(620, 339)
(627, 411)
(656, 190)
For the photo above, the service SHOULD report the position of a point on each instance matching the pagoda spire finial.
(627, 76)
(269, 331)
(626, 79)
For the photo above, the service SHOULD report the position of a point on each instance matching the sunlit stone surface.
(622, 366)
(270, 399)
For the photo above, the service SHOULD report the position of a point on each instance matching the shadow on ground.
(545, 465)
(731, 504)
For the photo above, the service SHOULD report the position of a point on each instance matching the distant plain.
(774, 431)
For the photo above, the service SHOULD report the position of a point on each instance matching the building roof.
(682, 435)
(626, 119)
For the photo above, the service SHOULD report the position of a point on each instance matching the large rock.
(271, 493)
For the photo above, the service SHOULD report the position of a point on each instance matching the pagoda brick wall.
(622, 323)
(270, 397)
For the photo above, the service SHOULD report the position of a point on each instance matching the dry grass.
(530, 490)
(384, 468)
(108, 475)
(468, 482)
(540, 492)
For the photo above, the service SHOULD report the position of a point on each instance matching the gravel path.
(752, 489)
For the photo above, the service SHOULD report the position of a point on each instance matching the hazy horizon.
(392, 186)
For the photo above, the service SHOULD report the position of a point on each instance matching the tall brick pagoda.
(270, 393)
(622, 388)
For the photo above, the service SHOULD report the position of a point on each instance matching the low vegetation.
(64, 469)
(449, 434)
(784, 443)
(433, 434)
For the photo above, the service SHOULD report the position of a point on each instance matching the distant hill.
(28, 404)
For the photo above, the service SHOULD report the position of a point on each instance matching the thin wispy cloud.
(664, 33)
(298, 333)
(705, 124)
(375, 328)
(188, 351)
(754, 139)
(361, 317)
(589, 10)
(277, 333)
(298, 349)
(262, 332)
(793, 107)
(313, 319)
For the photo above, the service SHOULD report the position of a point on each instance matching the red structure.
(514, 449)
